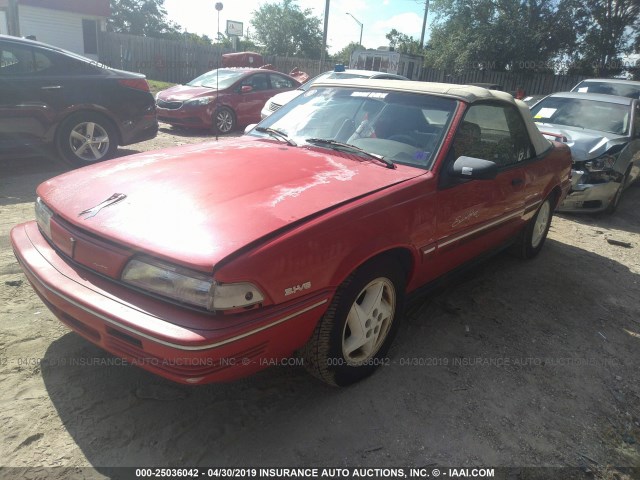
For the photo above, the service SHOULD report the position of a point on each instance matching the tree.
(607, 32)
(344, 55)
(284, 29)
(500, 35)
(404, 43)
(148, 18)
(141, 17)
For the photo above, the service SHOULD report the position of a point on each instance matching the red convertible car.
(209, 262)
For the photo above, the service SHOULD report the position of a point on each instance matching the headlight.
(605, 162)
(187, 286)
(199, 101)
(43, 217)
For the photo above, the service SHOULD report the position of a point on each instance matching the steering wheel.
(402, 138)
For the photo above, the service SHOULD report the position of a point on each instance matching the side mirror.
(246, 89)
(474, 169)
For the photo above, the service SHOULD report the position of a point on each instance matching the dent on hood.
(594, 149)
(339, 171)
(585, 145)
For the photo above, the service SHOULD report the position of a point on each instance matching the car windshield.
(222, 78)
(608, 88)
(405, 128)
(588, 114)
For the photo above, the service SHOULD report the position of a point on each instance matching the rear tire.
(352, 338)
(85, 138)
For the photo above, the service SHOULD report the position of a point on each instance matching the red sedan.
(210, 262)
(222, 99)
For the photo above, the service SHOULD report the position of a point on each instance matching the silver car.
(603, 132)
(275, 102)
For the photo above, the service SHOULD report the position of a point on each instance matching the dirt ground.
(519, 363)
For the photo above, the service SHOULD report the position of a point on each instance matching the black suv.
(52, 96)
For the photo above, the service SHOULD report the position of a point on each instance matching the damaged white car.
(603, 132)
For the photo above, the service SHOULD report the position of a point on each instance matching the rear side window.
(21, 60)
(66, 65)
(493, 132)
(280, 82)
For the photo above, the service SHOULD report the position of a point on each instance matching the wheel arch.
(556, 192)
(225, 106)
(404, 255)
(88, 110)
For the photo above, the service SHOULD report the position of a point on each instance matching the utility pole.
(424, 22)
(13, 22)
(324, 35)
(359, 23)
(219, 7)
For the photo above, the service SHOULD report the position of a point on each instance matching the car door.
(28, 100)
(250, 103)
(475, 216)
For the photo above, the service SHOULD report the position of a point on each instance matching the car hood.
(196, 205)
(180, 93)
(285, 97)
(584, 144)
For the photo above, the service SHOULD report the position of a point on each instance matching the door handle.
(517, 181)
(52, 87)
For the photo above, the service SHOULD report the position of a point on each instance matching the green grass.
(156, 85)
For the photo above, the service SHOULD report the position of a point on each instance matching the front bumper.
(588, 198)
(196, 117)
(268, 109)
(181, 345)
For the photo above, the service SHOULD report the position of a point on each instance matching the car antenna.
(215, 115)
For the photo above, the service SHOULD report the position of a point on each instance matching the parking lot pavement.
(517, 363)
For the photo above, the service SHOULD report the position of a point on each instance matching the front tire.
(535, 233)
(85, 138)
(615, 201)
(352, 338)
(224, 120)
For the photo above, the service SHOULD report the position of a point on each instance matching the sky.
(377, 16)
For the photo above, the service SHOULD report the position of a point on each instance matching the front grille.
(274, 106)
(168, 105)
(592, 204)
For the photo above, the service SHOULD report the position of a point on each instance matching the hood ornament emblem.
(112, 200)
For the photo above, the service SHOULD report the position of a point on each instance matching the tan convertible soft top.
(466, 93)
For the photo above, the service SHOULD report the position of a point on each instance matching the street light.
(359, 23)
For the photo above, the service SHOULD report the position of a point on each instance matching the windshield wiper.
(276, 134)
(347, 147)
